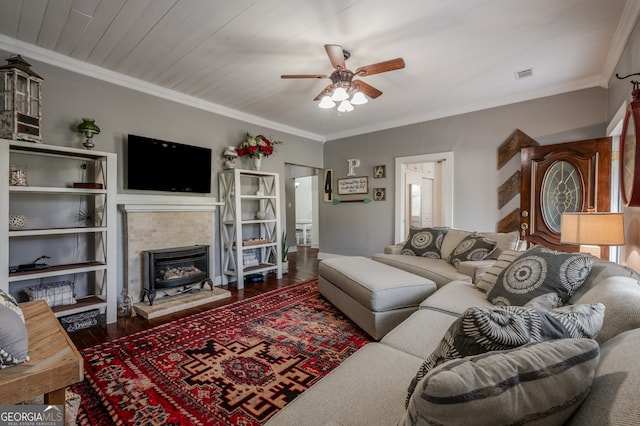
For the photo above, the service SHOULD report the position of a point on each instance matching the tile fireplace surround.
(152, 222)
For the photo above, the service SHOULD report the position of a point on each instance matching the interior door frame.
(446, 189)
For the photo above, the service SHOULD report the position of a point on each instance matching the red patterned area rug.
(234, 365)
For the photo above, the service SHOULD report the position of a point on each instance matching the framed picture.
(379, 194)
(353, 185)
(379, 171)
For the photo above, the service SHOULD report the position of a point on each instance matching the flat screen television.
(157, 165)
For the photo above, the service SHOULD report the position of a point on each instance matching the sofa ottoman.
(375, 296)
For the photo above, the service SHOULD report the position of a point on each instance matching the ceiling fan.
(343, 83)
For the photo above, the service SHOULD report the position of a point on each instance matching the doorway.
(424, 192)
(302, 206)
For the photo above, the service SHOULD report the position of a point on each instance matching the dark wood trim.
(509, 189)
(512, 146)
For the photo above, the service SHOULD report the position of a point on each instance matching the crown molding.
(627, 22)
(74, 65)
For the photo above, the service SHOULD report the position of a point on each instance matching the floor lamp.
(592, 230)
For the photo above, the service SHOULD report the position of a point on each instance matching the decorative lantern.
(20, 101)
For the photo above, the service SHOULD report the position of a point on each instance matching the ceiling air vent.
(524, 73)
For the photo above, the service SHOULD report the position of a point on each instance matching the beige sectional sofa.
(370, 388)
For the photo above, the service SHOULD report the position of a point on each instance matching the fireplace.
(175, 267)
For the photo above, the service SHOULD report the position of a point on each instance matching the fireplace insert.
(175, 267)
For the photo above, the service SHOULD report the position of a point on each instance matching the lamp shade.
(327, 102)
(602, 229)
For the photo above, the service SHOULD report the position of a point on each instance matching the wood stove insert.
(175, 267)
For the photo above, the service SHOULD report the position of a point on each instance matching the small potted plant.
(285, 251)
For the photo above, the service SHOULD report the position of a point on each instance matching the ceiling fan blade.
(368, 89)
(336, 55)
(324, 91)
(304, 76)
(390, 65)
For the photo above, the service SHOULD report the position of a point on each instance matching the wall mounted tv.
(157, 165)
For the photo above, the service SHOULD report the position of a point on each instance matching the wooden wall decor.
(510, 223)
(509, 189)
(512, 146)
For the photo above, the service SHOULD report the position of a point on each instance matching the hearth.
(175, 267)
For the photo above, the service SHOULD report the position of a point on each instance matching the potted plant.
(285, 251)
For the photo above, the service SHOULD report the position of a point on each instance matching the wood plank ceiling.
(461, 55)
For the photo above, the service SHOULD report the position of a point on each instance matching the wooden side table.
(55, 362)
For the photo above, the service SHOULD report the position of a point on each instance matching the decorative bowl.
(17, 222)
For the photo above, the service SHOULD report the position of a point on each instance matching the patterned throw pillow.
(472, 247)
(539, 271)
(424, 242)
(488, 279)
(542, 383)
(8, 301)
(495, 328)
(14, 339)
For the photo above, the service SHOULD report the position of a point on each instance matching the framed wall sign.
(379, 171)
(353, 185)
(379, 194)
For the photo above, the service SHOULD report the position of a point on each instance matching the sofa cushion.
(439, 271)
(505, 240)
(14, 339)
(613, 399)
(600, 270)
(539, 271)
(420, 334)
(367, 389)
(488, 280)
(472, 247)
(544, 381)
(486, 329)
(455, 298)
(621, 297)
(374, 285)
(424, 242)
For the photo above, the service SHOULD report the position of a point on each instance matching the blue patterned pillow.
(424, 242)
(540, 271)
(495, 328)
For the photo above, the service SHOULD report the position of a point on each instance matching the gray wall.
(364, 229)
(619, 94)
(67, 97)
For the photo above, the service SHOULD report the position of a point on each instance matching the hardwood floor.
(303, 265)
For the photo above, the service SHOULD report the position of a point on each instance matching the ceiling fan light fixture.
(326, 102)
(359, 99)
(345, 106)
(340, 94)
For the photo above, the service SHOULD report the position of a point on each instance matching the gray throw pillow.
(541, 383)
(472, 247)
(14, 339)
(494, 328)
(8, 301)
(539, 271)
(424, 242)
